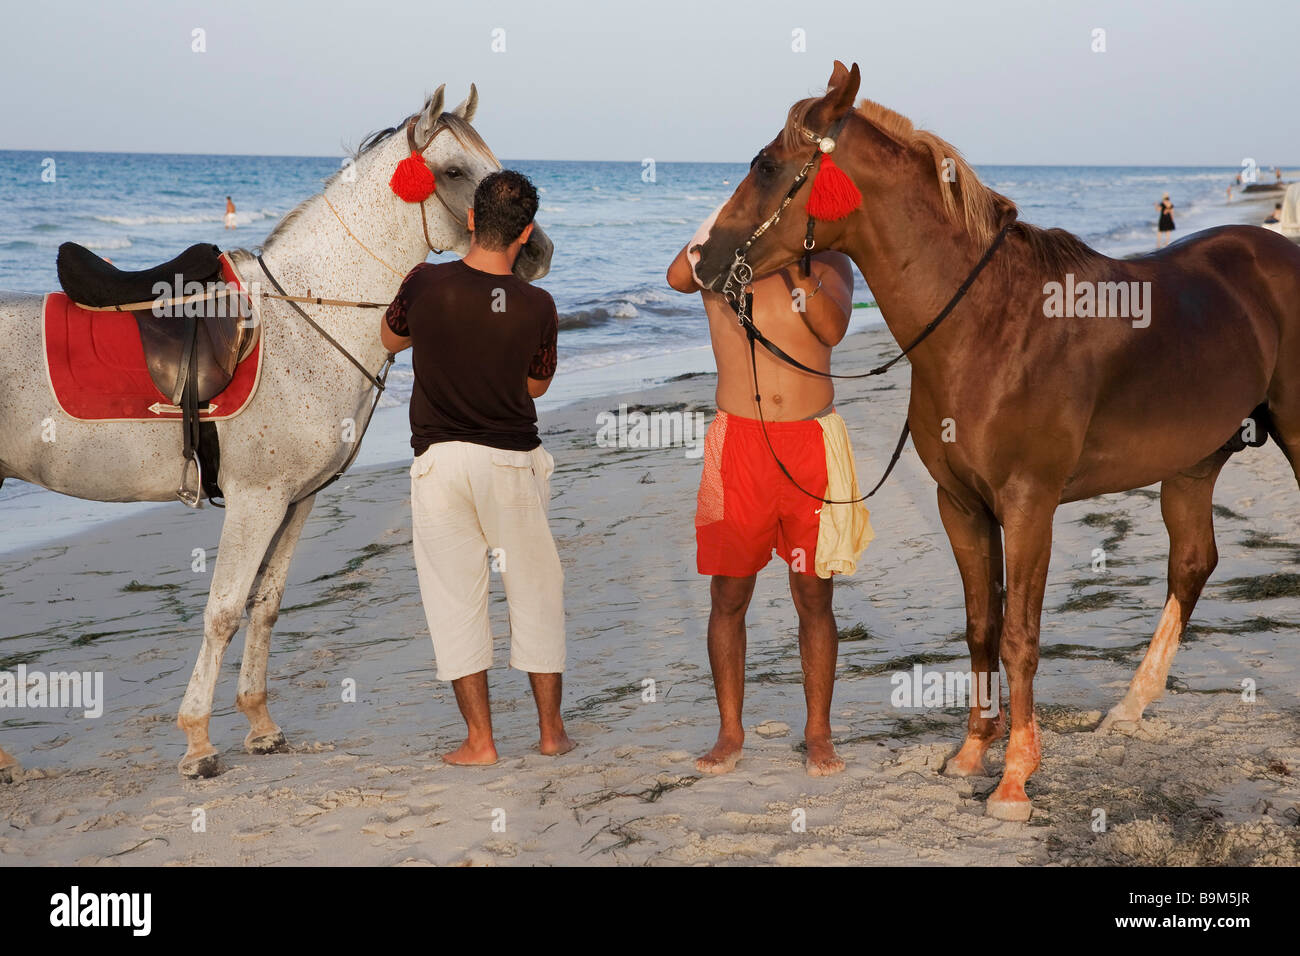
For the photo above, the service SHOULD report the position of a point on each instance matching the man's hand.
(827, 295)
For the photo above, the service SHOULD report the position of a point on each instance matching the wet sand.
(1205, 778)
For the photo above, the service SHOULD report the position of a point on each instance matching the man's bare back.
(788, 394)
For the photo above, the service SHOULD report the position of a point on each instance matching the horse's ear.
(841, 91)
(428, 118)
(468, 106)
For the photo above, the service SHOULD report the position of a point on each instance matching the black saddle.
(89, 280)
(192, 349)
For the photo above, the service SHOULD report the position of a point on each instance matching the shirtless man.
(231, 221)
(763, 510)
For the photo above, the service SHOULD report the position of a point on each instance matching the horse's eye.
(454, 172)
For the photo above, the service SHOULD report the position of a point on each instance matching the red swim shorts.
(747, 506)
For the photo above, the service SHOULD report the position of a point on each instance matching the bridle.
(741, 273)
(738, 294)
(437, 194)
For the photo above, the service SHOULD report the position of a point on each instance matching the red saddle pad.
(97, 369)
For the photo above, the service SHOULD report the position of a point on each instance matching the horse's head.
(456, 155)
(772, 173)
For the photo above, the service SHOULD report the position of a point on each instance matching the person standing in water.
(230, 213)
(1166, 225)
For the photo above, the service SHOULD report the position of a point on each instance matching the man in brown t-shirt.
(483, 346)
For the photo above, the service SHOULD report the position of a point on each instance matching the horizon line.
(630, 162)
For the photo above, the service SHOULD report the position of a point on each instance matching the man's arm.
(827, 308)
(394, 332)
(394, 343)
(542, 368)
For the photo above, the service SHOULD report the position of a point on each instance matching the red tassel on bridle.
(412, 180)
(833, 194)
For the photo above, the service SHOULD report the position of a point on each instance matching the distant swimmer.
(1166, 225)
(230, 213)
(1276, 215)
(1278, 171)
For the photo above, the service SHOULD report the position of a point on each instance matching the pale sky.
(1181, 82)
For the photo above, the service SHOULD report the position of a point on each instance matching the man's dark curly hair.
(505, 203)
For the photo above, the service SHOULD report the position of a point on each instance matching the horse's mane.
(458, 126)
(980, 210)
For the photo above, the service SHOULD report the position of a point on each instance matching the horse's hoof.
(1014, 808)
(7, 774)
(199, 767)
(968, 766)
(1119, 715)
(272, 743)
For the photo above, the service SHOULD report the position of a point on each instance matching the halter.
(417, 153)
(741, 273)
(741, 300)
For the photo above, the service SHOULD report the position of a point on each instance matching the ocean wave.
(120, 242)
(591, 318)
(242, 218)
(117, 242)
(626, 304)
(620, 223)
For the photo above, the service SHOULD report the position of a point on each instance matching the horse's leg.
(264, 736)
(251, 522)
(1186, 504)
(976, 542)
(1028, 527)
(7, 767)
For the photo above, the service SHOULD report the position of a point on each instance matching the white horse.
(354, 242)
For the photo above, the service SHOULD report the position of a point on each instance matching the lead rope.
(744, 315)
(758, 403)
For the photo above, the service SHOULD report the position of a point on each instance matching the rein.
(377, 382)
(736, 290)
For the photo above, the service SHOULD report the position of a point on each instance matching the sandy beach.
(1206, 778)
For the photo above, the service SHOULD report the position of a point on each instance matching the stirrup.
(192, 499)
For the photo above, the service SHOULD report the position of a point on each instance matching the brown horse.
(1016, 408)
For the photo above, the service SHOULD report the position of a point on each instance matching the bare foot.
(553, 745)
(724, 755)
(822, 760)
(471, 756)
